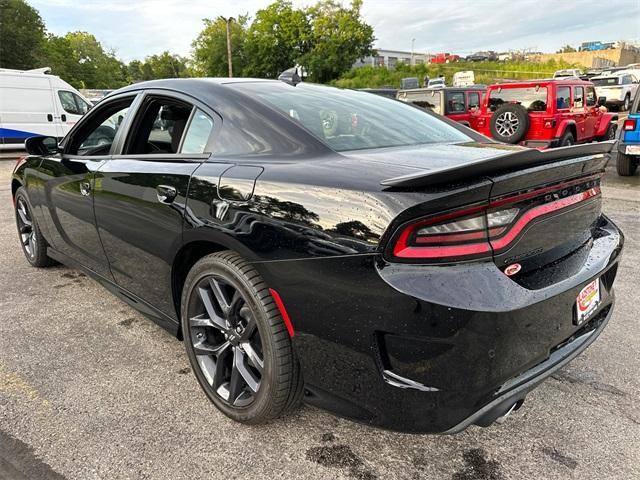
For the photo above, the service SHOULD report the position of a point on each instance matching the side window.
(591, 97)
(456, 102)
(198, 133)
(563, 97)
(625, 80)
(473, 100)
(72, 103)
(159, 127)
(98, 131)
(578, 97)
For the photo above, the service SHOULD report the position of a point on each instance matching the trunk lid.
(559, 207)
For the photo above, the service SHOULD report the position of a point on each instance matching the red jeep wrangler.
(544, 113)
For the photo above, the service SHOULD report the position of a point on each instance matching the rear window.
(534, 99)
(351, 120)
(431, 100)
(605, 82)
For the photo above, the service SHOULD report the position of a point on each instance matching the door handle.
(49, 117)
(85, 188)
(166, 193)
(63, 117)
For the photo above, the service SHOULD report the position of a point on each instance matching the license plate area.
(633, 150)
(587, 301)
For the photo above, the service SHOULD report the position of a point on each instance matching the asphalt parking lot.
(90, 389)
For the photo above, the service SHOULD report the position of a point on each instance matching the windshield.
(604, 82)
(534, 99)
(352, 120)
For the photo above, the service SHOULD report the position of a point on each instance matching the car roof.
(193, 86)
(543, 81)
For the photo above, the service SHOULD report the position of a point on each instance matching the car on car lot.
(33, 102)
(544, 113)
(370, 257)
(568, 73)
(456, 103)
(629, 143)
(619, 89)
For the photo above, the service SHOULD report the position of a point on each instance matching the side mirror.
(42, 145)
(602, 101)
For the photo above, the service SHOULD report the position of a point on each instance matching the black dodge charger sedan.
(310, 243)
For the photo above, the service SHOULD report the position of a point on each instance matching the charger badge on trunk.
(512, 269)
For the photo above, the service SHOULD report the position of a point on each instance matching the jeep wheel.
(627, 103)
(567, 139)
(610, 134)
(626, 165)
(510, 123)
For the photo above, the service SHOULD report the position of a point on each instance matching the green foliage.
(276, 39)
(567, 49)
(80, 59)
(210, 47)
(22, 35)
(485, 72)
(325, 38)
(338, 38)
(165, 65)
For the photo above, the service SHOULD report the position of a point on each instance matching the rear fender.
(603, 124)
(563, 126)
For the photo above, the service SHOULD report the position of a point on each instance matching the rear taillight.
(479, 231)
(629, 125)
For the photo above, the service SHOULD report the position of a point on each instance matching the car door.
(579, 111)
(68, 182)
(140, 193)
(592, 112)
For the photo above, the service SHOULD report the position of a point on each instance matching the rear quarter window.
(534, 99)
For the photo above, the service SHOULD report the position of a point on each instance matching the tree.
(339, 37)
(210, 47)
(277, 38)
(566, 49)
(165, 65)
(22, 35)
(80, 59)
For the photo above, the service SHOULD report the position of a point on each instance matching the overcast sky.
(137, 28)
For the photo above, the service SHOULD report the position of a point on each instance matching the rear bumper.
(434, 349)
(529, 380)
(541, 144)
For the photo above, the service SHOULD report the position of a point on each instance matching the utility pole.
(413, 41)
(229, 61)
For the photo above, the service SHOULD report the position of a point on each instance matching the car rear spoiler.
(500, 163)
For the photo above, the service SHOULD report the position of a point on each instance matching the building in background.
(391, 58)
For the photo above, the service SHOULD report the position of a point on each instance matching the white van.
(34, 103)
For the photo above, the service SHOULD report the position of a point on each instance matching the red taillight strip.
(460, 237)
(541, 210)
(629, 125)
(440, 252)
(283, 312)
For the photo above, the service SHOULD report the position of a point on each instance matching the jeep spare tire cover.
(510, 123)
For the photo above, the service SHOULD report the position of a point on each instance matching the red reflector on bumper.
(283, 312)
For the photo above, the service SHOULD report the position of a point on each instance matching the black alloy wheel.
(33, 243)
(237, 343)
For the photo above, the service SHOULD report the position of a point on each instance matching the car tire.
(627, 103)
(34, 246)
(610, 133)
(567, 139)
(256, 377)
(626, 165)
(509, 123)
